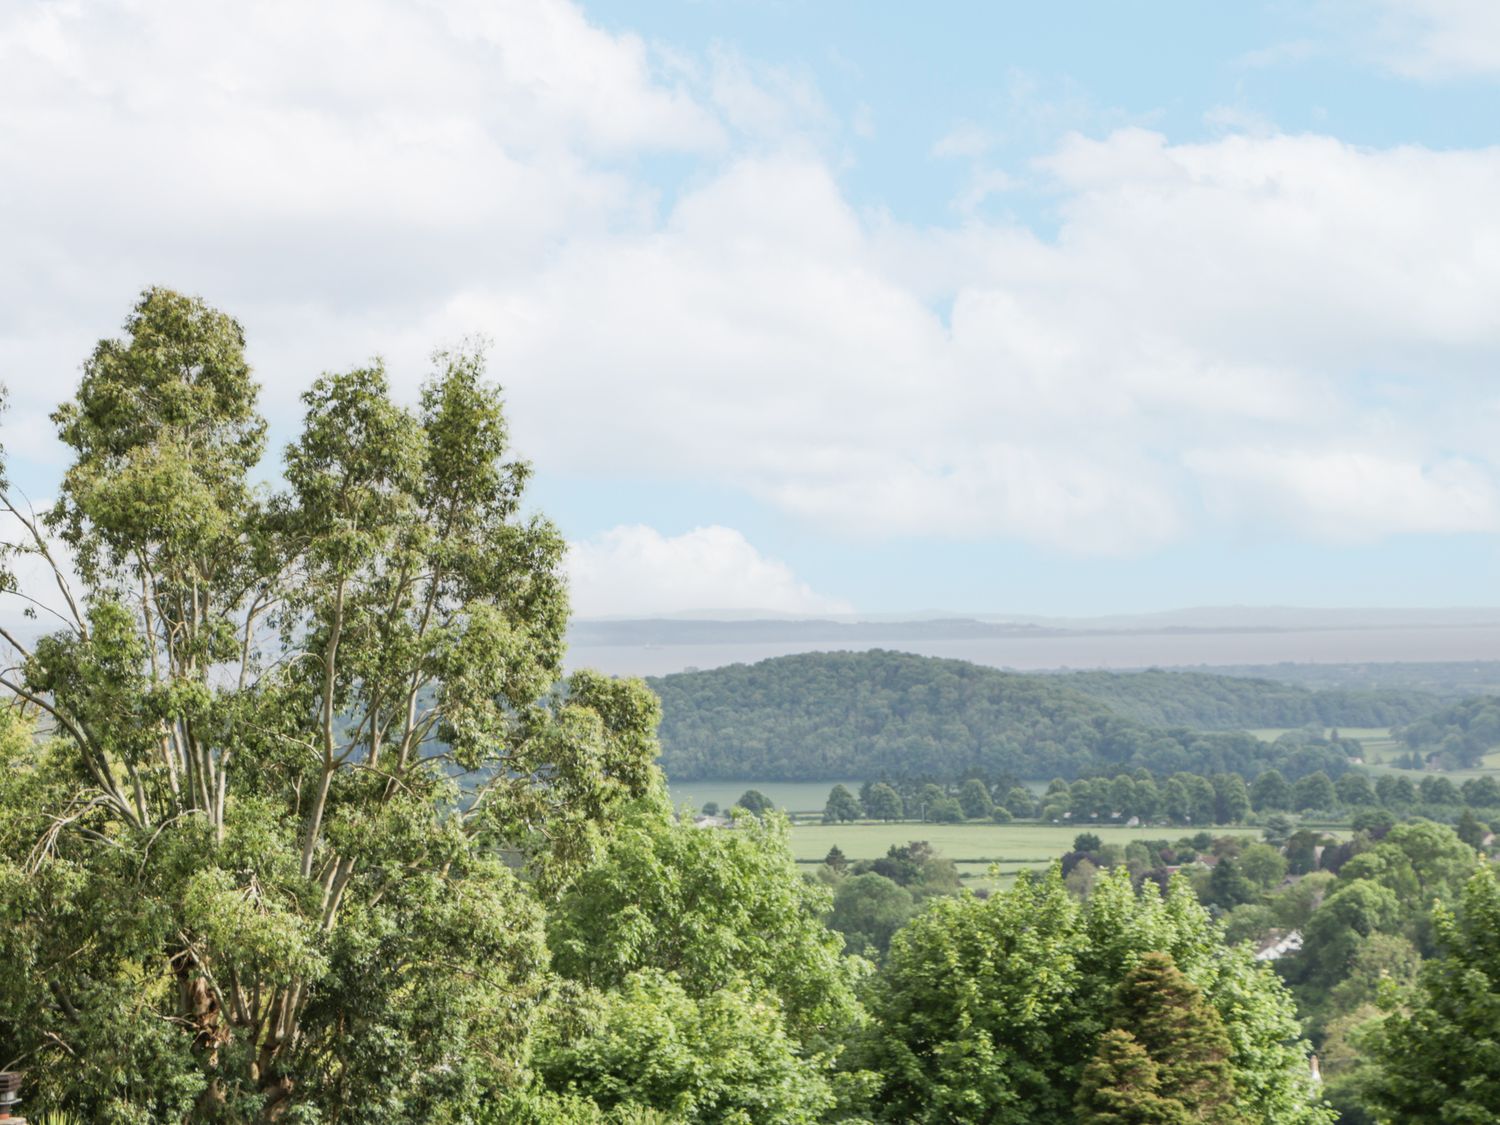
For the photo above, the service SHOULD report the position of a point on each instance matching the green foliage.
(1121, 1085)
(944, 810)
(990, 1010)
(916, 866)
(723, 1058)
(1438, 1061)
(1460, 734)
(1206, 701)
(254, 872)
(883, 803)
(974, 799)
(868, 909)
(1270, 792)
(1181, 1033)
(755, 802)
(842, 806)
(1315, 791)
(894, 715)
(713, 908)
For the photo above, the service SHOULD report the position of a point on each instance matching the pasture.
(976, 842)
(791, 797)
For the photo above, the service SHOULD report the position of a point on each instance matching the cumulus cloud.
(1280, 331)
(1436, 39)
(1350, 495)
(1293, 293)
(634, 570)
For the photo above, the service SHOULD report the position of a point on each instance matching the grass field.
(975, 843)
(788, 796)
(981, 852)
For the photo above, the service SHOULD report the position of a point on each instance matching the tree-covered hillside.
(1460, 735)
(842, 714)
(1211, 702)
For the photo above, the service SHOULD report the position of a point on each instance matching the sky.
(817, 306)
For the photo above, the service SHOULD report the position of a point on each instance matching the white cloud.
(1350, 495)
(1437, 39)
(634, 570)
(1291, 293)
(1254, 327)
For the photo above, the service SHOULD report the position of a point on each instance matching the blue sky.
(831, 306)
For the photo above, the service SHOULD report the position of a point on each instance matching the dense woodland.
(873, 714)
(1206, 701)
(1457, 737)
(300, 822)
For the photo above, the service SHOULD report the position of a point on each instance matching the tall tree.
(842, 806)
(1439, 1060)
(1183, 1035)
(1122, 1086)
(1270, 792)
(257, 862)
(988, 1010)
(884, 803)
(975, 800)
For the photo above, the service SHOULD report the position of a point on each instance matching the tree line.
(300, 821)
(1181, 798)
(871, 714)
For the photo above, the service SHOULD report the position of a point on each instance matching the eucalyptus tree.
(310, 770)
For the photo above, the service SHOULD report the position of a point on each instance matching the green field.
(1007, 844)
(977, 849)
(789, 796)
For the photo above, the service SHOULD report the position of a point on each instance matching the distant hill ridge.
(833, 715)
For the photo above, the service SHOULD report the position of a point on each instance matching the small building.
(1278, 946)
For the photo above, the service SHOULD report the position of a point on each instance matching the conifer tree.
(1182, 1033)
(1122, 1086)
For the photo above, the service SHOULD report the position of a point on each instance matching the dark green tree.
(1121, 1086)
(944, 810)
(1471, 830)
(1183, 1035)
(1315, 791)
(1354, 789)
(868, 909)
(1228, 886)
(1270, 792)
(1019, 802)
(974, 799)
(842, 806)
(1438, 790)
(754, 802)
(1232, 798)
(884, 803)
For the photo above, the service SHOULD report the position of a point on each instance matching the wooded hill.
(1209, 702)
(879, 713)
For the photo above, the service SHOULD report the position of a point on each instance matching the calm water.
(1097, 650)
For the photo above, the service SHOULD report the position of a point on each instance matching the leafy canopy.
(255, 871)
